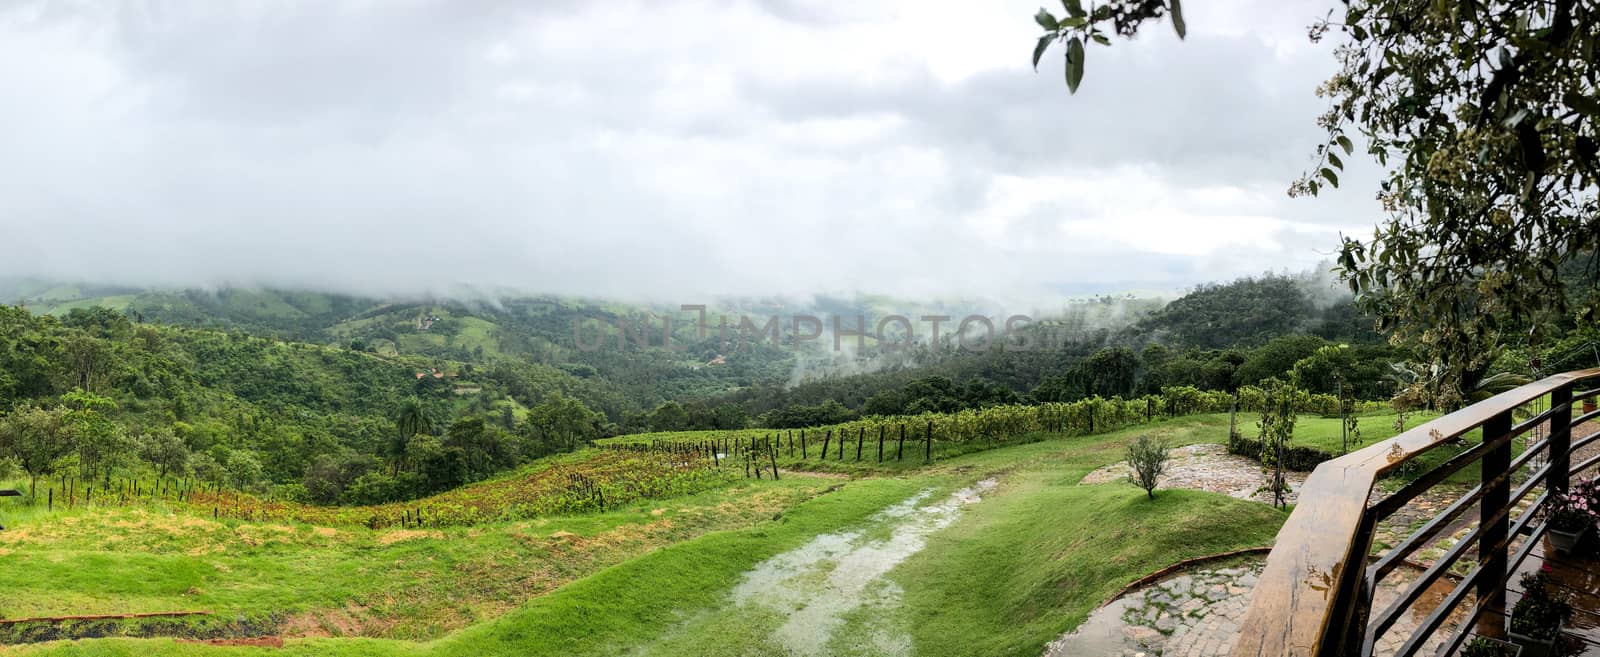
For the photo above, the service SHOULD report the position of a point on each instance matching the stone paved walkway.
(1208, 467)
(1197, 614)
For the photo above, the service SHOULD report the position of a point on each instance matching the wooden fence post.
(825, 441)
(880, 443)
(927, 456)
(861, 432)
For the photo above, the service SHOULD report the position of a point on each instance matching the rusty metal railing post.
(1560, 440)
(1494, 526)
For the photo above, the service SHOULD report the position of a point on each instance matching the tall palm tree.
(411, 421)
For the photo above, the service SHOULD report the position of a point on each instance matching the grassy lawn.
(619, 606)
(1013, 571)
(995, 584)
(1324, 432)
(413, 584)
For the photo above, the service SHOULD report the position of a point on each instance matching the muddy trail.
(830, 596)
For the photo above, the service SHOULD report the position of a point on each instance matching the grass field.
(1324, 432)
(1003, 577)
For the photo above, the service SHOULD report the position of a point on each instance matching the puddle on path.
(816, 586)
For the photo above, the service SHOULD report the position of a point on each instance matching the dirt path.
(830, 596)
(1208, 467)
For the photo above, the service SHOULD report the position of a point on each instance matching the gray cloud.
(654, 150)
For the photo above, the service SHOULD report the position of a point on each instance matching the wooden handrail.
(1321, 552)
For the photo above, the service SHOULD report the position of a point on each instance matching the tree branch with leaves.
(1484, 117)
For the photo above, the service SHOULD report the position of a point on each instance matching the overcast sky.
(661, 149)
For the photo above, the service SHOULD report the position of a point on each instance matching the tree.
(206, 468)
(1485, 117)
(933, 394)
(88, 360)
(1154, 358)
(484, 446)
(441, 467)
(669, 417)
(36, 438)
(884, 402)
(729, 416)
(1147, 459)
(1275, 358)
(100, 442)
(558, 424)
(412, 420)
(1278, 416)
(243, 469)
(1110, 371)
(165, 451)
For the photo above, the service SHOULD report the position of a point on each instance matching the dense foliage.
(1485, 119)
(94, 391)
(388, 409)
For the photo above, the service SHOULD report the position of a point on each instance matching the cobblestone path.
(1197, 614)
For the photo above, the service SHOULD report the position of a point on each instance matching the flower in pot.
(1483, 646)
(1536, 621)
(1569, 517)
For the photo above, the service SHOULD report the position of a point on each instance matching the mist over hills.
(622, 375)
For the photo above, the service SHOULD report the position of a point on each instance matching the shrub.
(1486, 647)
(1147, 458)
(1297, 458)
(1539, 617)
(1541, 610)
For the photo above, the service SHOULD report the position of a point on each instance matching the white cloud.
(655, 149)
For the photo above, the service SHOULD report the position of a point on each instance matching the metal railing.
(1315, 595)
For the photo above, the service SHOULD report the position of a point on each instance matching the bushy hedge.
(1296, 457)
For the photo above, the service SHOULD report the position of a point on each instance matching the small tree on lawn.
(1277, 428)
(1147, 458)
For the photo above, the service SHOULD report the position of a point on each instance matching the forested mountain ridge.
(307, 393)
(295, 388)
(506, 336)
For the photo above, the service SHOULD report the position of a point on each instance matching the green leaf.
(1074, 64)
(1074, 8)
(1334, 160)
(1038, 50)
(1332, 179)
(1344, 142)
(1177, 19)
(1583, 104)
(1045, 20)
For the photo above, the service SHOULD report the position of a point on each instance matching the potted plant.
(1569, 517)
(1483, 646)
(1536, 619)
